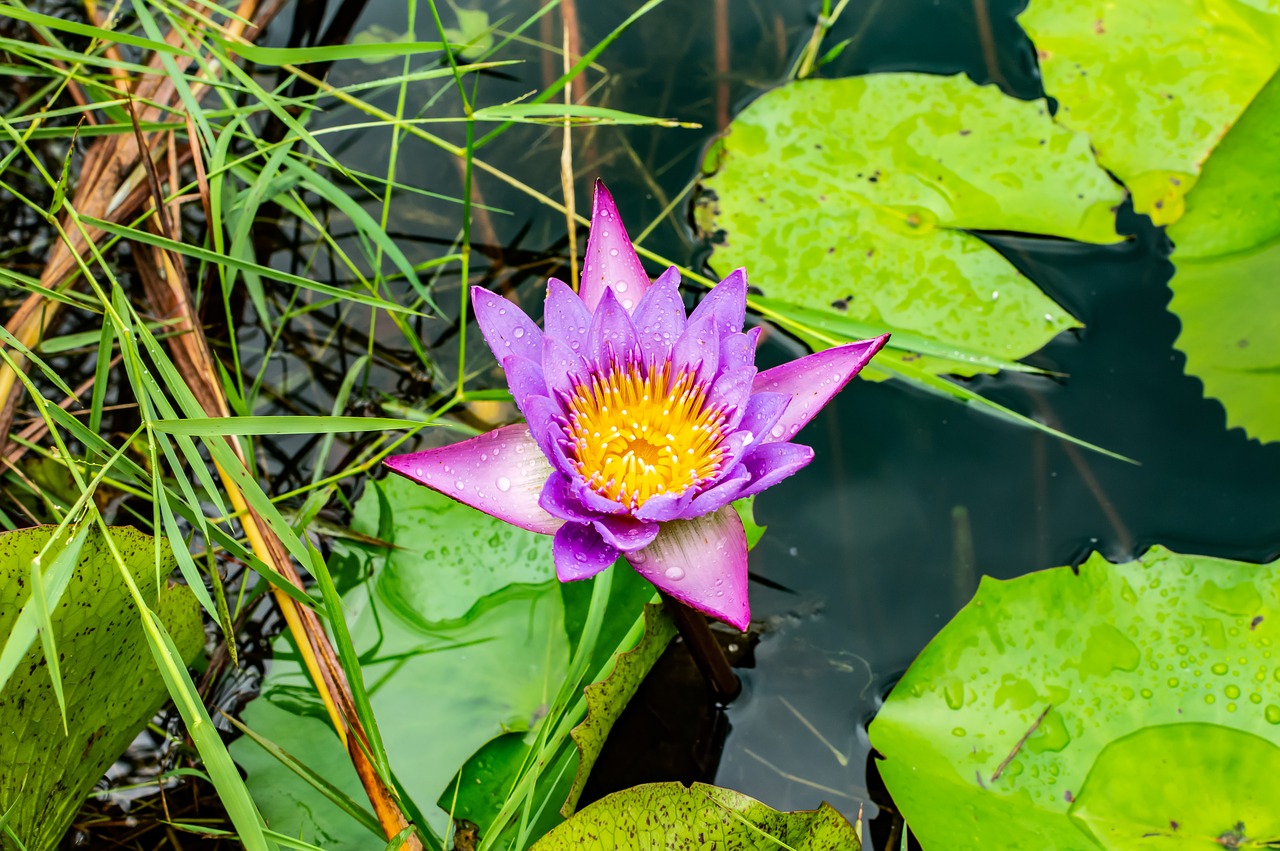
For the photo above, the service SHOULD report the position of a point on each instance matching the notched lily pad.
(109, 679)
(1090, 711)
(1227, 261)
(856, 197)
(675, 818)
(1155, 83)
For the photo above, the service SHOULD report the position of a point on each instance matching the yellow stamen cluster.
(636, 434)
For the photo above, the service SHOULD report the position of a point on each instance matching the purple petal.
(666, 506)
(739, 349)
(594, 501)
(524, 377)
(698, 348)
(670, 276)
(725, 491)
(701, 562)
(611, 261)
(731, 391)
(812, 381)
(659, 319)
(565, 316)
(545, 426)
(727, 301)
(773, 462)
(505, 327)
(559, 500)
(501, 473)
(613, 336)
(625, 532)
(762, 412)
(580, 552)
(562, 368)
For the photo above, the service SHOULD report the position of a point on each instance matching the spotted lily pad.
(1100, 710)
(1227, 257)
(675, 818)
(109, 679)
(1155, 83)
(857, 197)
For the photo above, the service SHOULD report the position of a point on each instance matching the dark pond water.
(912, 497)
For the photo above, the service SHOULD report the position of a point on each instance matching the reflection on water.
(881, 540)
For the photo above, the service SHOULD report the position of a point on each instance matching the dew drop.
(518, 333)
(776, 431)
(460, 485)
(502, 311)
(580, 557)
(613, 252)
(620, 286)
(626, 303)
(504, 484)
(1272, 714)
(675, 574)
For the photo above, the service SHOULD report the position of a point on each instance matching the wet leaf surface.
(1077, 711)
(856, 197)
(1227, 256)
(1155, 83)
(676, 818)
(109, 679)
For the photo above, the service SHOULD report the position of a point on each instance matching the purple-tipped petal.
(524, 377)
(812, 381)
(659, 319)
(502, 473)
(698, 348)
(580, 552)
(727, 301)
(625, 532)
(670, 276)
(739, 349)
(611, 261)
(773, 462)
(558, 500)
(731, 391)
(565, 316)
(562, 368)
(613, 336)
(701, 562)
(505, 327)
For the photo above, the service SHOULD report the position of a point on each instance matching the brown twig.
(707, 653)
(1004, 763)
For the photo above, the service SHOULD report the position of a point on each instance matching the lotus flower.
(642, 424)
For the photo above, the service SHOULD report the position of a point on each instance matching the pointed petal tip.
(611, 261)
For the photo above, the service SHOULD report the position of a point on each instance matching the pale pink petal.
(811, 382)
(701, 562)
(611, 261)
(501, 472)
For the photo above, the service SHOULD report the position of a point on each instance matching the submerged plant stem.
(707, 653)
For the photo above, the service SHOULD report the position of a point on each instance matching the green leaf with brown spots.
(675, 818)
(857, 198)
(109, 680)
(1227, 260)
(1128, 706)
(1155, 83)
(607, 698)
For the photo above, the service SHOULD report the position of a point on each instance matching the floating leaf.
(675, 818)
(856, 197)
(109, 680)
(446, 674)
(1155, 83)
(1227, 256)
(1057, 708)
(474, 33)
(606, 699)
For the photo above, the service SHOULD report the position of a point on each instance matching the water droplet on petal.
(504, 484)
(613, 252)
(776, 431)
(519, 332)
(675, 574)
(620, 286)
(580, 557)
(460, 484)
(626, 303)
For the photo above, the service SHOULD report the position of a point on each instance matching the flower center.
(636, 435)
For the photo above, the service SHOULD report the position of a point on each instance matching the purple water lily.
(643, 424)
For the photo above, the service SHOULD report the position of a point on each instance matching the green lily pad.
(1059, 710)
(110, 683)
(857, 197)
(1155, 83)
(444, 683)
(1227, 260)
(673, 817)
(606, 699)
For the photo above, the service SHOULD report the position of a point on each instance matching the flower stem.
(707, 653)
